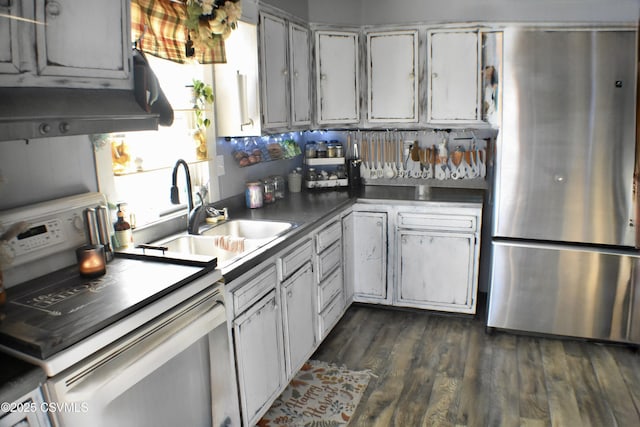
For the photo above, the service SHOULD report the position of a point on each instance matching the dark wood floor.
(434, 370)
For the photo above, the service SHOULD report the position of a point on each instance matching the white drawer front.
(330, 316)
(329, 260)
(437, 221)
(255, 288)
(329, 288)
(328, 235)
(295, 258)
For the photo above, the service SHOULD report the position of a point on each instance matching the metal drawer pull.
(153, 247)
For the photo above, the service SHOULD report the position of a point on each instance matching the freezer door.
(562, 291)
(565, 158)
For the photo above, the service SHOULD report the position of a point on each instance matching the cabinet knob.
(434, 75)
(285, 72)
(290, 294)
(53, 8)
(323, 77)
(64, 127)
(296, 74)
(379, 223)
(44, 128)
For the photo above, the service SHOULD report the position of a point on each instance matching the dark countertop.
(307, 209)
(18, 378)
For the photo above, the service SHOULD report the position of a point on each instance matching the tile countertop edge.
(18, 378)
(307, 219)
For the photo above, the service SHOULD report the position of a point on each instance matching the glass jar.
(331, 150)
(310, 150)
(253, 194)
(339, 150)
(269, 195)
(278, 184)
(321, 149)
(311, 174)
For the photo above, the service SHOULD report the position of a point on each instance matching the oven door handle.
(133, 360)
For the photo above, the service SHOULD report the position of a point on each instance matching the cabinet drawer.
(254, 289)
(295, 258)
(328, 235)
(437, 221)
(329, 288)
(328, 260)
(330, 316)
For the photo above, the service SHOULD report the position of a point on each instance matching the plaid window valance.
(159, 24)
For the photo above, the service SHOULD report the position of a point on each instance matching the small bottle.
(122, 228)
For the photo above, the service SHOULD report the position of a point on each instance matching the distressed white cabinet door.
(348, 242)
(299, 318)
(9, 38)
(83, 39)
(437, 270)
(259, 353)
(392, 69)
(337, 79)
(454, 76)
(370, 256)
(300, 72)
(275, 72)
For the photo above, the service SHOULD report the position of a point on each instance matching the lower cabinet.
(369, 252)
(436, 270)
(259, 356)
(298, 318)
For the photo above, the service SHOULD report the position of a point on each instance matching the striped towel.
(229, 243)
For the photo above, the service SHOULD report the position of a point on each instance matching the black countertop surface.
(18, 378)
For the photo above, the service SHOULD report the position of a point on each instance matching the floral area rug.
(320, 395)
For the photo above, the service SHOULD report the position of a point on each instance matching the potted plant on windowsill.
(202, 96)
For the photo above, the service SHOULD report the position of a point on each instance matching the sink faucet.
(195, 213)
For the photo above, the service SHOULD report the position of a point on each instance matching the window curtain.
(159, 27)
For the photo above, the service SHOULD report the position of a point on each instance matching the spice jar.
(311, 174)
(278, 186)
(321, 149)
(339, 150)
(331, 150)
(310, 150)
(253, 194)
(269, 195)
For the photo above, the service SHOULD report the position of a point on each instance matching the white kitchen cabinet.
(298, 318)
(285, 73)
(437, 258)
(259, 357)
(67, 49)
(9, 33)
(236, 85)
(348, 247)
(369, 256)
(300, 72)
(392, 70)
(274, 71)
(337, 79)
(454, 76)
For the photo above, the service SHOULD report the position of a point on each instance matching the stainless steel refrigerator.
(565, 227)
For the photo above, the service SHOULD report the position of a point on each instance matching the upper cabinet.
(285, 73)
(237, 99)
(454, 76)
(64, 48)
(337, 82)
(392, 70)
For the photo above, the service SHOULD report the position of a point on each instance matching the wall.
(372, 12)
(299, 8)
(44, 169)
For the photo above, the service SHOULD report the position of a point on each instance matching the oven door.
(175, 371)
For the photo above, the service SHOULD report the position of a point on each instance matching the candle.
(91, 261)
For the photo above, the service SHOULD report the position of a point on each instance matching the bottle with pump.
(122, 228)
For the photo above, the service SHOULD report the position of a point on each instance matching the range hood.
(32, 112)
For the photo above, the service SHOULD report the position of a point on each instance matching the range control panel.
(53, 227)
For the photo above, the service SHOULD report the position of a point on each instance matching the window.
(136, 167)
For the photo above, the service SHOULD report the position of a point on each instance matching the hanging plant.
(202, 96)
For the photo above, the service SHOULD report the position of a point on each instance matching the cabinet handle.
(53, 8)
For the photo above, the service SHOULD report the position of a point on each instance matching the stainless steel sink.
(249, 229)
(251, 233)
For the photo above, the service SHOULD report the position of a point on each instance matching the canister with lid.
(310, 150)
(321, 149)
(278, 185)
(269, 195)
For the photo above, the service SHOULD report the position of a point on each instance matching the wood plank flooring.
(438, 370)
